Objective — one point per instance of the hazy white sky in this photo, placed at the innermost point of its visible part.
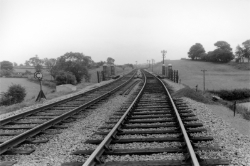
(126, 30)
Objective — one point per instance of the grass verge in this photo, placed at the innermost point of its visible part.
(206, 98)
(195, 95)
(241, 110)
(30, 102)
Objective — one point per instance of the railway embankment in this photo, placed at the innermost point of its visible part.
(4, 115)
(231, 132)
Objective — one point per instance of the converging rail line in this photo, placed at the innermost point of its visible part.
(22, 127)
(154, 130)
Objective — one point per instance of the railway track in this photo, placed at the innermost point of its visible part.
(153, 130)
(21, 128)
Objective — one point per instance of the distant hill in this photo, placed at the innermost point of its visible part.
(218, 76)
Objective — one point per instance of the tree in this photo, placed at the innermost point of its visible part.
(49, 63)
(222, 55)
(76, 63)
(6, 73)
(239, 52)
(27, 63)
(129, 65)
(36, 62)
(15, 64)
(196, 51)
(110, 60)
(246, 50)
(6, 65)
(98, 64)
(223, 45)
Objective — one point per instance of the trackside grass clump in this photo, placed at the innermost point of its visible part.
(192, 94)
(241, 110)
(236, 94)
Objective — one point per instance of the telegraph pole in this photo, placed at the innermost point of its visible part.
(152, 64)
(163, 55)
(204, 79)
(163, 72)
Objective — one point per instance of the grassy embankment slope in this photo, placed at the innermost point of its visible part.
(218, 76)
(50, 95)
(32, 89)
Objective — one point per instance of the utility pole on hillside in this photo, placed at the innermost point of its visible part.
(152, 65)
(204, 79)
(163, 55)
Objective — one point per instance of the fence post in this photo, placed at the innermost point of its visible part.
(234, 107)
(177, 76)
(98, 78)
(174, 76)
(103, 76)
(163, 70)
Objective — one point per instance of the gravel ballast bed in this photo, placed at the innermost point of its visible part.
(144, 145)
(160, 156)
(235, 146)
(59, 148)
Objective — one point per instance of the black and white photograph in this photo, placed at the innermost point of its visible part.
(124, 82)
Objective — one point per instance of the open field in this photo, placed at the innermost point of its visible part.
(218, 76)
(32, 89)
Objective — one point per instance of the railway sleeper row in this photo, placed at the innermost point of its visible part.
(152, 111)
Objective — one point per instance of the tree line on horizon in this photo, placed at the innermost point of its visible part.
(223, 53)
(71, 67)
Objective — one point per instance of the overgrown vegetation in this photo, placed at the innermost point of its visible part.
(230, 95)
(207, 98)
(15, 94)
(241, 110)
(76, 63)
(63, 77)
(192, 94)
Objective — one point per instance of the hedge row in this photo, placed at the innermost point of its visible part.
(236, 94)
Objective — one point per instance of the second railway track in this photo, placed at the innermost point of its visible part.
(154, 130)
(22, 127)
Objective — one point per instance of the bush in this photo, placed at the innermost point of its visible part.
(236, 94)
(15, 94)
(63, 77)
(192, 94)
(6, 73)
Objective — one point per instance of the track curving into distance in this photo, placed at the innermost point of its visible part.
(153, 117)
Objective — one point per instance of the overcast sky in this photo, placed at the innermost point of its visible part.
(126, 30)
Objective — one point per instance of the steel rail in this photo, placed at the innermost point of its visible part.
(187, 140)
(28, 134)
(18, 116)
(101, 147)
